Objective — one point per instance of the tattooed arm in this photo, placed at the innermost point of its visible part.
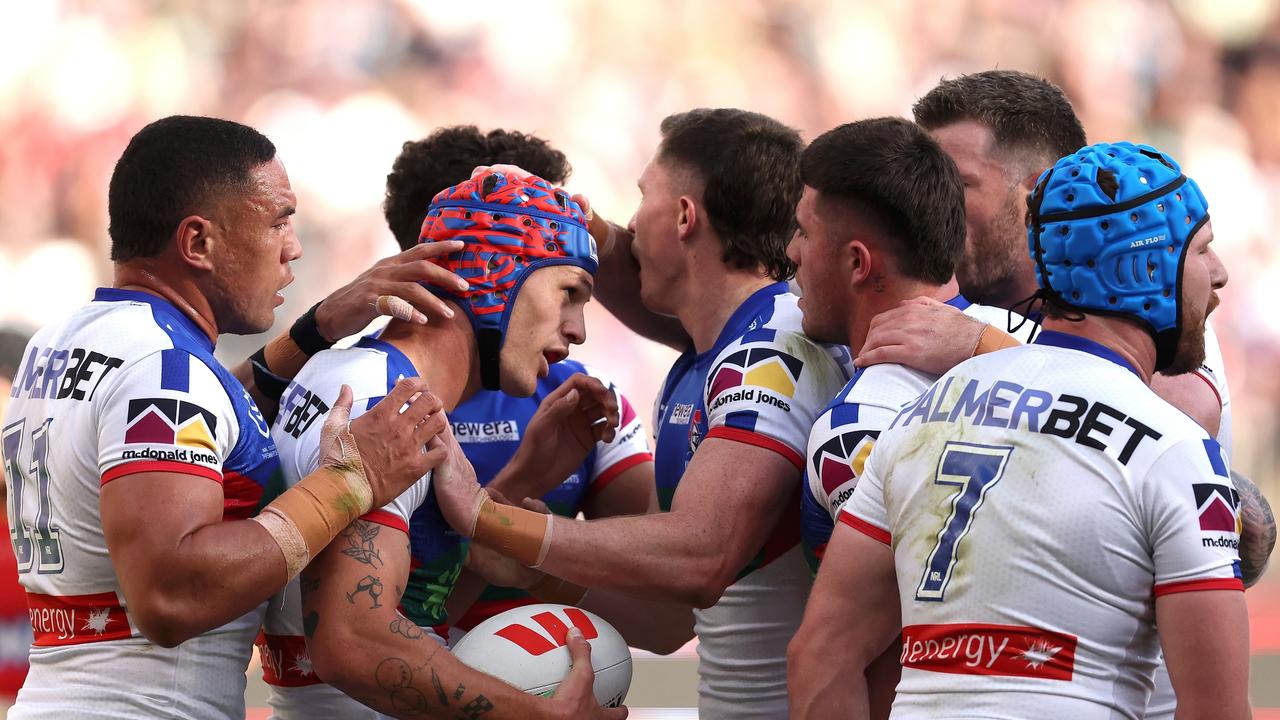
(1258, 529)
(362, 645)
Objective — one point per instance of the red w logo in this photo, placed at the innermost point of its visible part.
(535, 644)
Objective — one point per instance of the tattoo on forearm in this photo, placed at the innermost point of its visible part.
(435, 682)
(406, 627)
(309, 623)
(396, 677)
(367, 584)
(308, 585)
(1258, 529)
(360, 536)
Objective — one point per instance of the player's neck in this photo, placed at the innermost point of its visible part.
(179, 289)
(711, 298)
(1125, 338)
(873, 299)
(444, 353)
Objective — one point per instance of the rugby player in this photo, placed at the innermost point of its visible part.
(141, 476)
(881, 220)
(734, 415)
(967, 531)
(1003, 128)
(529, 259)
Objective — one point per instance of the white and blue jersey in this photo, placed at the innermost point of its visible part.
(1037, 500)
(127, 384)
(763, 383)
(844, 434)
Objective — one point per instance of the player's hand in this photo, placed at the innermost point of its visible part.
(567, 425)
(574, 697)
(923, 334)
(457, 491)
(391, 287)
(392, 444)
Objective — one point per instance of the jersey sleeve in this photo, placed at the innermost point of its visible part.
(866, 510)
(298, 430)
(839, 444)
(167, 412)
(629, 447)
(1192, 517)
(767, 393)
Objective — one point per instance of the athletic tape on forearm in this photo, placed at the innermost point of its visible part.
(991, 340)
(554, 590)
(283, 357)
(309, 515)
(520, 534)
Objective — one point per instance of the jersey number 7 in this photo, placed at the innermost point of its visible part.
(45, 536)
(974, 470)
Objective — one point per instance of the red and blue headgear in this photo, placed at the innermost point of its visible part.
(1108, 228)
(510, 226)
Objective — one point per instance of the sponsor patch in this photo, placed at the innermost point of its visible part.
(1006, 650)
(760, 367)
(841, 458)
(1217, 506)
(487, 432)
(167, 421)
(682, 414)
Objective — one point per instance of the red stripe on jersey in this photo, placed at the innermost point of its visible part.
(173, 466)
(285, 662)
(1212, 385)
(1197, 585)
(76, 619)
(240, 497)
(613, 471)
(389, 519)
(865, 527)
(978, 649)
(758, 440)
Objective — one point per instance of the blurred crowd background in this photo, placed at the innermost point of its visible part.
(340, 84)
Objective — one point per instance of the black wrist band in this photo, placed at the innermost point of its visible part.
(306, 334)
(268, 383)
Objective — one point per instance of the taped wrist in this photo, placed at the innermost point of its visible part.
(554, 590)
(520, 534)
(309, 515)
(305, 333)
(267, 382)
(991, 340)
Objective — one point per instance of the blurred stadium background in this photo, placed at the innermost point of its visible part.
(340, 84)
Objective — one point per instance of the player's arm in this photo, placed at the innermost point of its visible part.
(1205, 637)
(362, 645)
(929, 336)
(618, 287)
(730, 499)
(390, 287)
(845, 632)
(1257, 529)
(183, 570)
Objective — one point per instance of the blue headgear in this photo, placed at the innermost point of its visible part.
(1108, 229)
(509, 226)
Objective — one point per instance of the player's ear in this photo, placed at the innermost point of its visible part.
(687, 218)
(859, 259)
(195, 241)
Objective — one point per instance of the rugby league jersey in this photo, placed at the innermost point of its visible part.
(763, 383)
(1037, 500)
(127, 384)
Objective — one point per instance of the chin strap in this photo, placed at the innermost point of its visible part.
(489, 342)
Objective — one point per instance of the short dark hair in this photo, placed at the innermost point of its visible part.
(891, 170)
(171, 169)
(446, 157)
(749, 165)
(1025, 113)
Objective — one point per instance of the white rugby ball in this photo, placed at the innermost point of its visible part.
(526, 647)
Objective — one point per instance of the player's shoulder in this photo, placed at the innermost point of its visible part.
(369, 370)
(777, 338)
(887, 385)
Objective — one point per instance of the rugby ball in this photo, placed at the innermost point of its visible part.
(526, 647)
